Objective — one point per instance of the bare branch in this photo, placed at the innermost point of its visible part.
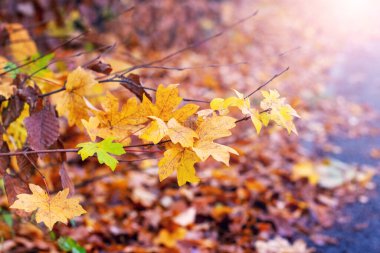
(193, 45)
(196, 67)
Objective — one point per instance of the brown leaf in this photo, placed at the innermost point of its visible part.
(29, 95)
(101, 67)
(26, 165)
(66, 181)
(14, 185)
(12, 111)
(1, 135)
(42, 128)
(4, 160)
(133, 84)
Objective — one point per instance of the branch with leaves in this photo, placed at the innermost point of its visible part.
(31, 112)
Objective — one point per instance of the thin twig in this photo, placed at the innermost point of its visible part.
(267, 82)
(248, 117)
(105, 48)
(52, 92)
(193, 45)
(196, 67)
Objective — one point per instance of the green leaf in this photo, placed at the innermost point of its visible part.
(102, 150)
(68, 244)
(78, 249)
(7, 217)
(65, 243)
(39, 65)
(52, 235)
(10, 65)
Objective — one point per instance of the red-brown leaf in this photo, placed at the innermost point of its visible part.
(14, 185)
(13, 110)
(133, 84)
(66, 181)
(42, 128)
(26, 165)
(4, 160)
(101, 67)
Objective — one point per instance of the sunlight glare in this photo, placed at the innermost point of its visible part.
(352, 16)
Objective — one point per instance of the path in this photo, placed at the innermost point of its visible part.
(361, 64)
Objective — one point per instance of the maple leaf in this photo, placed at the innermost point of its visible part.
(50, 210)
(280, 112)
(244, 104)
(71, 102)
(181, 160)
(165, 109)
(110, 122)
(210, 129)
(102, 150)
(181, 134)
(177, 133)
(167, 102)
(6, 89)
(155, 131)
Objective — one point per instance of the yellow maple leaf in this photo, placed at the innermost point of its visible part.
(181, 134)
(6, 88)
(180, 159)
(21, 45)
(71, 102)
(167, 102)
(280, 112)
(222, 106)
(210, 129)
(163, 110)
(155, 131)
(177, 133)
(112, 122)
(50, 210)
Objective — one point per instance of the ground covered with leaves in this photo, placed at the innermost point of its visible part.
(264, 191)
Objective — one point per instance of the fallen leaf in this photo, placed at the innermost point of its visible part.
(50, 210)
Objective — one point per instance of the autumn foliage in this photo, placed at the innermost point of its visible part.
(184, 133)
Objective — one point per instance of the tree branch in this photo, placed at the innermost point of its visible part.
(69, 150)
(193, 45)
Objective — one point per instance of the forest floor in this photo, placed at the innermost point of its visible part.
(281, 188)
